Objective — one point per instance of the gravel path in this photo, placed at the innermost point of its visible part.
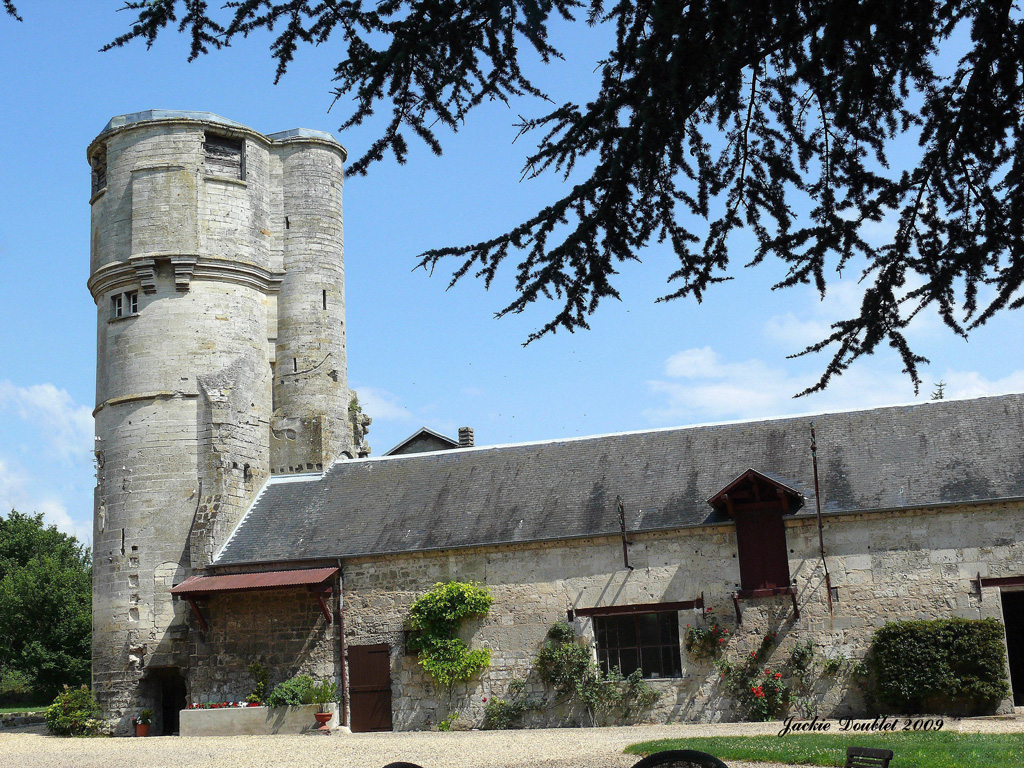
(549, 748)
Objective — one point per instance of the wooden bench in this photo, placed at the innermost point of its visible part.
(867, 757)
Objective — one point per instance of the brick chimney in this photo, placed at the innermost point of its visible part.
(465, 437)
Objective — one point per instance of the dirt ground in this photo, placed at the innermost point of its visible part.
(548, 748)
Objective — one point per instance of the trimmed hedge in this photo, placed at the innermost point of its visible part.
(944, 666)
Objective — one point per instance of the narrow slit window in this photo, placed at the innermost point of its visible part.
(325, 298)
(99, 171)
(225, 156)
(295, 365)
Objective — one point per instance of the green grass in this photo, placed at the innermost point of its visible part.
(9, 710)
(912, 750)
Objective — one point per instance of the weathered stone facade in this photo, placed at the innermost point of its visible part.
(284, 630)
(884, 566)
(216, 253)
(217, 269)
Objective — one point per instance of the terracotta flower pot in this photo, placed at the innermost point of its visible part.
(323, 718)
(142, 729)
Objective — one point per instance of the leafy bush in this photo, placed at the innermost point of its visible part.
(46, 603)
(292, 693)
(705, 641)
(74, 713)
(569, 668)
(261, 676)
(446, 724)
(434, 621)
(761, 692)
(943, 666)
(326, 692)
(502, 714)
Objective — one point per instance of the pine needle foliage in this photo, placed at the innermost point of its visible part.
(711, 116)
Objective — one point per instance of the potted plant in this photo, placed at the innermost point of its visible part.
(142, 722)
(324, 695)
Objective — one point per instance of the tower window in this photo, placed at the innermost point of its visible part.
(99, 171)
(124, 304)
(224, 156)
(325, 298)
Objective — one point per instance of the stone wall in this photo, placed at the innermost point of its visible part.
(884, 567)
(283, 629)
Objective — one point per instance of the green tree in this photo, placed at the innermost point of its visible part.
(45, 603)
(711, 116)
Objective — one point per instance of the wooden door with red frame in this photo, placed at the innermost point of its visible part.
(369, 685)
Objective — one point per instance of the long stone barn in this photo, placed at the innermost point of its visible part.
(240, 519)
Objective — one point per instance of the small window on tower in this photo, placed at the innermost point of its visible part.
(99, 171)
(131, 301)
(224, 156)
(117, 306)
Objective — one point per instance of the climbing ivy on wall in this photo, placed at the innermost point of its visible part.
(434, 621)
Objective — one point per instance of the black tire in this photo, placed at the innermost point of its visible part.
(681, 758)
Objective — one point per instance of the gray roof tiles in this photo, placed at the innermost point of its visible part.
(931, 453)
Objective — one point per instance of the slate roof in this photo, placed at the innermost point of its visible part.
(930, 453)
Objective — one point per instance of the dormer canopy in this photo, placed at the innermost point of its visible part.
(753, 491)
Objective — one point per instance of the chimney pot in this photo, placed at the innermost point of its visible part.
(465, 437)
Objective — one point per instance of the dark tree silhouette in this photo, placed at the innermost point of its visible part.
(711, 116)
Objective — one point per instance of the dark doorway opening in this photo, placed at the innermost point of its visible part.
(369, 685)
(169, 698)
(1013, 620)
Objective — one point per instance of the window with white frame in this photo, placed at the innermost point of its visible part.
(124, 304)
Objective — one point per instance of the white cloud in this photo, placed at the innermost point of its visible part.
(20, 491)
(972, 384)
(67, 428)
(381, 405)
(52, 437)
(700, 386)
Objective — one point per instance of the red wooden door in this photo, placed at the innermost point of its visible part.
(761, 548)
(369, 684)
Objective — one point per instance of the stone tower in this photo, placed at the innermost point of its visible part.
(218, 275)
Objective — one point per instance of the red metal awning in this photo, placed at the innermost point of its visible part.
(195, 586)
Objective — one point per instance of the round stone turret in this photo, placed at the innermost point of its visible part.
(216, 267)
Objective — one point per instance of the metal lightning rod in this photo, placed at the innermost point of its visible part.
(821, 537)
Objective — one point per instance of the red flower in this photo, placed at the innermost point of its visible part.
(484, 700)
(778, 675)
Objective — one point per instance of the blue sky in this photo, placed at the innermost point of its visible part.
(419, 355)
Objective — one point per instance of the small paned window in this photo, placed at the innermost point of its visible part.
(99, 171)
(124, 304)
(645, 641)
(224, 156)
